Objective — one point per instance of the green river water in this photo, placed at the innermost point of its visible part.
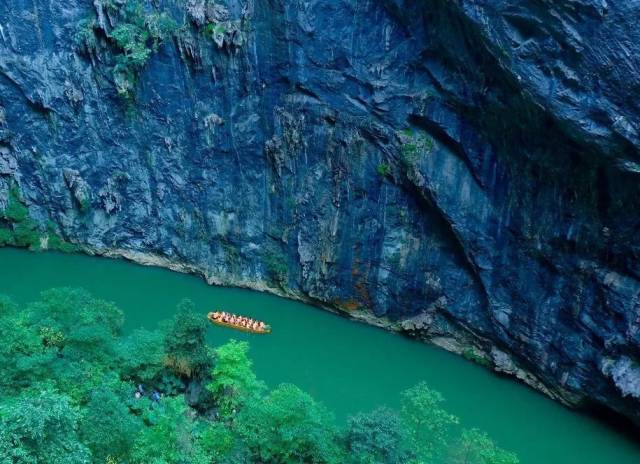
(348, 366)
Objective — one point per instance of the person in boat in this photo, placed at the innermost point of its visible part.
(261, 325)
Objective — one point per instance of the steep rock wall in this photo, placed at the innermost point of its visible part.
(466, 172)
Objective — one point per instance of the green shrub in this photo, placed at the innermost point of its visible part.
(15, 210)
(85, 37)
(214, 31)
(415, 144)
(141, 356)
(24, 231)
(475, 447)
(219, 441)
(470, 354)
(383, 169)
(89, 326)
(171, 438)
(276, 267)
(25, 234)
(161, 27)
(107, 426)
(55, 242)
(132, 40)
(40, 427)
(6, 236)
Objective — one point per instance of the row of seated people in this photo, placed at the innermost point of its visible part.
(239, 320)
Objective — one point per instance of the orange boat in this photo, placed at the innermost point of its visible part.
(216, 318)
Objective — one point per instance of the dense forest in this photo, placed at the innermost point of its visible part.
(74, 389)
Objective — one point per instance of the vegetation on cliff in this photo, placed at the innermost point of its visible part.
(75, 389)
(126, 34)
(134, 36)
(18, 229)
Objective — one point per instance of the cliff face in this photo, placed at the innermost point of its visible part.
(464, 171)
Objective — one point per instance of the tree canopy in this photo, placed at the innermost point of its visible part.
(234, 382)
(74, 390)
(380, 436)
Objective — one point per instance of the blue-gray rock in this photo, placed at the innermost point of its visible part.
(465, 171)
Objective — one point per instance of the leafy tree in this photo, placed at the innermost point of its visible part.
(141, 355)
(171, 439)
(107, 425)
(86, 326)
(20, 342)
(288, 426)
(429, 424)
(378, 437)
(234, 382)
(219, 443)
(476, 447)
(185, 345)
(40, 427)
(67, 338)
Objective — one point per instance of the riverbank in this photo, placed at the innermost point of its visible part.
(462, 342)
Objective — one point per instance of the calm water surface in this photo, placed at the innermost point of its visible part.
(348, 366)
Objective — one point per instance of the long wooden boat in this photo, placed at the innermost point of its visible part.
(217, 321)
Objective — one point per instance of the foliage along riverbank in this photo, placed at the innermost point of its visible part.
(74, 390)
